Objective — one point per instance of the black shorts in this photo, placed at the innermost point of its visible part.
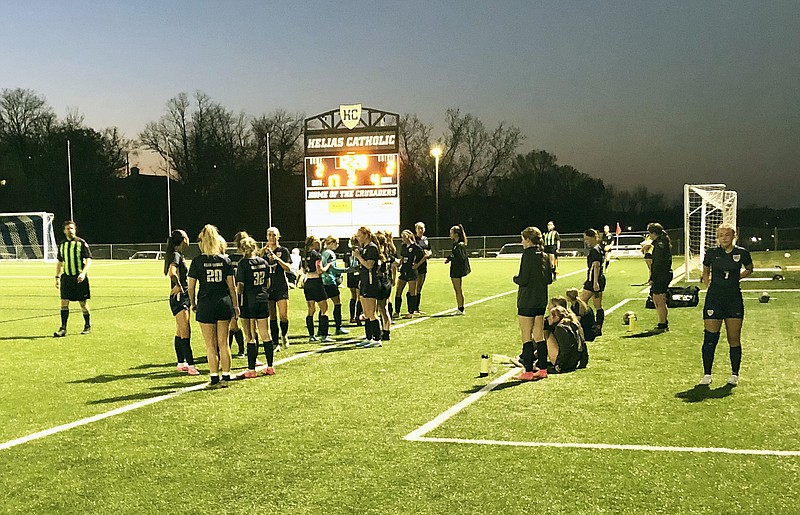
(423, 268)
(314, 289)
(588, 286)
(276, 295)
(409, 275)
(331, 290)
(179, 304)
(720, 307)
(253, 307)
(71, 289)
(661, 284)
(384, 288)
(352, 280)
(551, 249)
(371, 291)
(211, 311)
(530, 312)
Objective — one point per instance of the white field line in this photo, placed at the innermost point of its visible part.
(651, 448)
(147, 402)
(418, 435)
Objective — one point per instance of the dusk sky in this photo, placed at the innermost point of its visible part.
(643, 92)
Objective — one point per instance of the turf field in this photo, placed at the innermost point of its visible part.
(101, 423)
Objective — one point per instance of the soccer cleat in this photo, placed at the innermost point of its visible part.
(458, 313)
(240, 355)
(192, 371)
(276, 348)
(524, 376)
(363, 343)
(269, 371)
(733, 380)
(659, 329)
(217, 385)
(182, 367)
(540, 374)
(285, 341)
(87, 330)
(373, 344)
(327, 339)
(420, 313)
(247, 374)
(313, 339)
(407, 316)
(706, 380)
(342, 331)
(60, 333)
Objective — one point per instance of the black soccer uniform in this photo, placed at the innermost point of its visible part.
(551, 239)
(724, 296)
(368, 278)
(213, 298)
(459, 261)
(181, 303)
(595, 255)
(352, 275)
(313, 287)
(533, 277)
(384, 279)
(661, 270)
(425, 245)
(278, 283)
(253, 273)
(71, 254)
(409, 255)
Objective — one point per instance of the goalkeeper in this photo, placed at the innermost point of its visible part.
(74, 260)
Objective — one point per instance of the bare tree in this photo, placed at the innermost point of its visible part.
(285, 140)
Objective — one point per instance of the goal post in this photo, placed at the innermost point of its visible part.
(705, 207)
(27, 236)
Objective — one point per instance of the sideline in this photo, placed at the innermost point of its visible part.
(130, 407)
(418, 435)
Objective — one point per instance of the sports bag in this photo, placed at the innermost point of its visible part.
(678, 297)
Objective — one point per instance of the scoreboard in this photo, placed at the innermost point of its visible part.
(351, 172)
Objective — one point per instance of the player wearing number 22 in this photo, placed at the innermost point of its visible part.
(722, 271)
(216, 302)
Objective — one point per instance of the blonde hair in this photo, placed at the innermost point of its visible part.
(274, 230)
(209, 239)
(565, 313)
(726, 226)
(572, 297)
(330, 239)
(223, 245)
(248, 246)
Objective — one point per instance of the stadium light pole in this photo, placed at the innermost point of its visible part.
(69, 172)
(269, 184)
(436, 152)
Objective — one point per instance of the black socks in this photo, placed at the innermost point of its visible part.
(337, 316)
(252, 354)
(64, 317)
(310, 325)
(323, 325)
(179, 349)
(187, 351)
(736, 359)
(527, 356)
(541, 354)
(86, 319)
(710, 341)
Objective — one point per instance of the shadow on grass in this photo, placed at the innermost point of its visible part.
(108, 378)
(36, 337)
(444, 315)
(702, 392)
(141, 396)
(645, 334)
(146, 366)
(338, 349)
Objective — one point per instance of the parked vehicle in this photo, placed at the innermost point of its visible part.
(148, 254)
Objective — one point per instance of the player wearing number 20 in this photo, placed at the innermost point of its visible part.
(252, 283)
(216, 302)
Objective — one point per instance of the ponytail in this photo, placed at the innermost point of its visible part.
(174, 241)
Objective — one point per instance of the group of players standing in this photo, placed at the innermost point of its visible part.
(256, 289)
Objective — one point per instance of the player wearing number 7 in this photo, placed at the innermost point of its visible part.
(215, 304)
(252, 284)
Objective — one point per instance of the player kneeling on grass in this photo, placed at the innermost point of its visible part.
(722, 271)
(533, 277)
(216, 303)
(175, 268)
(566, 345)
(252, 285)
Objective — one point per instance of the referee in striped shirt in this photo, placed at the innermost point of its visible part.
(74, 260)
(552, 245)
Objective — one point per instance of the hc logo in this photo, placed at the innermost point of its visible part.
(350, 115)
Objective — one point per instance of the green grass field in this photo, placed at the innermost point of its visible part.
(327, 433)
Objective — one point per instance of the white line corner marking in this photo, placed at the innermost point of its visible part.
(418, 435)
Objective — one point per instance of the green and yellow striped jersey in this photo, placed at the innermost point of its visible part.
(72, 253)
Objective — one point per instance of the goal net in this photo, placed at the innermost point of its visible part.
(27, 236)
(705, 207)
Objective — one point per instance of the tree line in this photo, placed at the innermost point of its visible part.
(218, 159)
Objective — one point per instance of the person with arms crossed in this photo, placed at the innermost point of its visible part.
(422, 270)
(660, 273)
(74, 260)
(595, 282)
(532, 279)
(459, 264)
(722, 271)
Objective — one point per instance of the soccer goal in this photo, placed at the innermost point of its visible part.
(705, 207)
(27, 236)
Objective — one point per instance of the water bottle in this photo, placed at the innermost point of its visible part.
(484, 365)
(632, 323)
